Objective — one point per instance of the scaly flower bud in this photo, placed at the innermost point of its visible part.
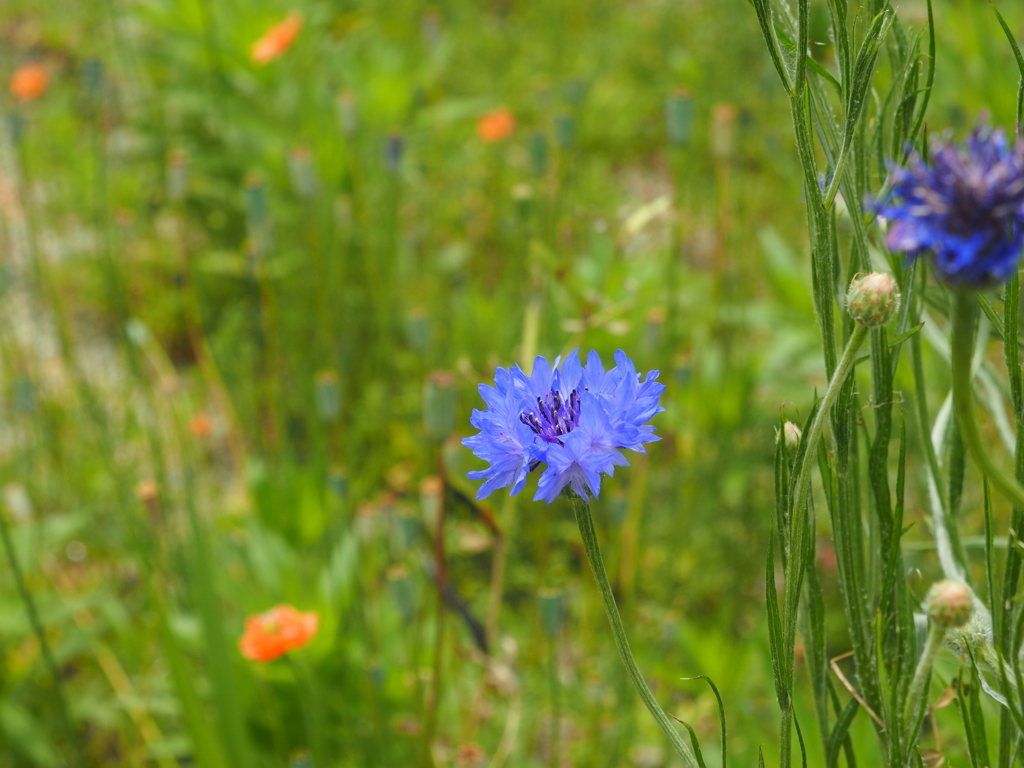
(974, 637)
(949, 604)
(872, 299)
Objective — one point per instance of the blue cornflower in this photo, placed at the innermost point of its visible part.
(575, 419)
(966, 207)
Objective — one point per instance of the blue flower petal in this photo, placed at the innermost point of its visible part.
(575, 419)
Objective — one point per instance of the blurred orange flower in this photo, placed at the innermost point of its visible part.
(272, 634)
(496, 125)
(277, 39)
(29, 81)
(201, 425)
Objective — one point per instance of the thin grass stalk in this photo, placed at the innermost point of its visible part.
(441, 579)
(556, 708)
(585, 521)
(913, 711)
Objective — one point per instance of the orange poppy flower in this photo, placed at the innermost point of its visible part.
(29, 81)
(201, 425)
(277, 39)
(272, 634)
(496, 125)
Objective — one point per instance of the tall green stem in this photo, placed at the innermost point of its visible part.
(586, 524)
(799, 529)
(919, 684)
(965, 311)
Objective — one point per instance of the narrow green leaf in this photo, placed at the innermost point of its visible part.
(800, 738)
(893, 555)
(721, 712)
(775, 623)
(693, 740)
(977, 743)
(851, 759)
(992, 315)
(1020, 67)
(764, 18)
(856, 94)
(824, 73)
(929, 79)
(1013, 41)
(956, 468)
(990, 555)
(839, 733)
(803, 41)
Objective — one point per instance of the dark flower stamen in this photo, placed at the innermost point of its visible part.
(557, 417)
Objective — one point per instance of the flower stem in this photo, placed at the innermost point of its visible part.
(965, 310)
(799, 530)
(586, 524)
(919, 684)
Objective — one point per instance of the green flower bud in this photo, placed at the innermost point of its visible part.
(949, 604)
(872, 299)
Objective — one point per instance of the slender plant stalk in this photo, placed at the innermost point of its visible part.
(919, 683)
(441, 577)
(556, 709)
(586, 525)
(799, 526)
(965, 310)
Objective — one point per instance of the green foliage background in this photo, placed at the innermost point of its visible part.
(184, 233)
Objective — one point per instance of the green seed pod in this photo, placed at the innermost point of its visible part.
(177, 175)
(439, 405)
(679, 118)
(328, 396)
(565, 131)
(538, 146)
(403, 591)
(552, 610)
(872, 299)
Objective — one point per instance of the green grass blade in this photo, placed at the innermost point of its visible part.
(721, 712)
(929, 79)
(775, 624)
(1020, 67)
(764, 18)
(840, 732)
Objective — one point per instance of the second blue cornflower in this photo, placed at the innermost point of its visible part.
(966, 207)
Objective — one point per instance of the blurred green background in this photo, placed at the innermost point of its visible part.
(244, 309)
